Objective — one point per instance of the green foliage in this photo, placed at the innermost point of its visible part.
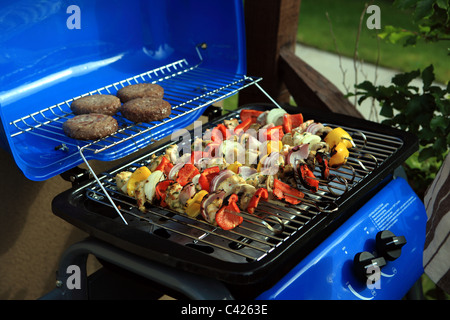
(422, 111)
(432, 18)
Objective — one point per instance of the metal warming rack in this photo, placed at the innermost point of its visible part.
(188, 88)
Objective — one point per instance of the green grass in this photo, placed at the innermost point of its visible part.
(314, 30)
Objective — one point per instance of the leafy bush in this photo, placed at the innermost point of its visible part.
(422, 111)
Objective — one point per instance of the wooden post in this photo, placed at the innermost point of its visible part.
(271, 32)
(270, 25)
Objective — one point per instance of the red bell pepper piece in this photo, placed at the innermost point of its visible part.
(220, 133)
(186, 173)
(226, 217)
(160, 191)
(206, 177)
(271, 133)
(261, 193)
(249, 114)
(284, 191)
(243, 126)
(323, 163)
(195, 156)
(211, 149)
(165, 165)
(291, 121)
(308, 179)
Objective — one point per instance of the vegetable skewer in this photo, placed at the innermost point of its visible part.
(212, 183)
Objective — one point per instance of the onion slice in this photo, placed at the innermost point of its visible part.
(173, 173)
(210, 205)
(186, 193)
(218, 179)
(246, 171)
(300, 152)
(275, 115)
(150, 184)
(314, 127)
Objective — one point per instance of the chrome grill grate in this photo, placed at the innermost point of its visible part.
(274, 222)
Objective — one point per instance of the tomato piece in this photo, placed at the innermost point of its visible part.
(211, 170)
(211, 150)
(249, 114)
(324, 166)
(195, 156)
(227, 220)
(232, 203)
(203, 182)
(291, 200)
(186, 173)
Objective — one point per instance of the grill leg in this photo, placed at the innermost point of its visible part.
(75, 257)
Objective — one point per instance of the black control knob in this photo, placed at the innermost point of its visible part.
(366, 264)
(389, 245)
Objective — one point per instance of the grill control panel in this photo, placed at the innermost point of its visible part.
(375, 254)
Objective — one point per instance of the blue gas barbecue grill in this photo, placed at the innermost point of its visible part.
(369, 219)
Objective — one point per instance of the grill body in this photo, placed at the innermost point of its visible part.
(327, 272)
(252, 261)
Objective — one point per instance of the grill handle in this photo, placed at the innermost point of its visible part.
(190, 285)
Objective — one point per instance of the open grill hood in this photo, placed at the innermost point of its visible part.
(194, 49)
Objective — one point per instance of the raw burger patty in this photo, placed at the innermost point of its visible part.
(97, 103)
(146, 109)
(140, 90)
(90, 126)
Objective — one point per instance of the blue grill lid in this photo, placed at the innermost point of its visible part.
(54, 51)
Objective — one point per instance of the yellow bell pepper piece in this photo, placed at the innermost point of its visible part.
(338, 135)
(340, 155)
(259, 166)
(234, 167)
(140, 174)
(271, 145)
(194, 203)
